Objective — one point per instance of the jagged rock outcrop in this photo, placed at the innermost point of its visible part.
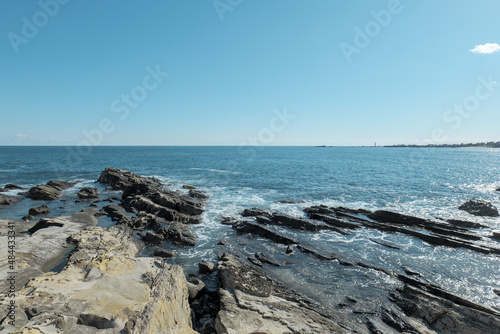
(139, 203)
(479, 207)
(451, 234)
(252, 302)
(166, 213)
(444, 311)
(120, 179)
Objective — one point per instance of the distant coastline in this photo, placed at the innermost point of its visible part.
(463, 145)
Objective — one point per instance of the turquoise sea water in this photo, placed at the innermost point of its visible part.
(423, 182)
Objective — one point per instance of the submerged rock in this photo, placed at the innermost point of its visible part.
(198, 194)
(8, 200)
(479, 207)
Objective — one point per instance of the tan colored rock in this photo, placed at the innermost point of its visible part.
(103, 291)
(33, 252)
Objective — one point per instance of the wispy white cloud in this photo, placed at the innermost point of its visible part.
(20, 135)
(487, 48)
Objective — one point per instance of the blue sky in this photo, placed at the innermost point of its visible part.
(234, 65)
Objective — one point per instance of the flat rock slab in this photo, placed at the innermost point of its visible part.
(32, 251)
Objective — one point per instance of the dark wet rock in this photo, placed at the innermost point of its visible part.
(479, 207)
(28, 218)
(249, 227)
(298, 223)
(88, 193)
(385, 244)
(44, 192)
(466, 224)
(498, 189)
(228, 221)
(206, 267)
(251, 301)
(320, 209)
(178, 233)
(44, 223)
(120, 179)
(333, 221)
(11, 186)
(188, 187)
(438, 233)
(272, 218)
(9, 200)
(222, 242)
(196, 288)
(254, 212)
(93, 205)
(252, 259)
(408, 271)
(443, 311)
(152, 238)
(164, 253)
(182, 204)
(290, 201)
(60, 185)
(41, 210)
(111, 199)
(495, 235)
(199, 194)
(497, 292)
(307, 249)
(397, 218)
(290, 249)
(140, 203)
(116, 214)
(2, 190)
(265, 259)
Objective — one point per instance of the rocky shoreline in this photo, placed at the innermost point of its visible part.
(103, 284)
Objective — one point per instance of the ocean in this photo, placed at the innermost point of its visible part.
(422, 182)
